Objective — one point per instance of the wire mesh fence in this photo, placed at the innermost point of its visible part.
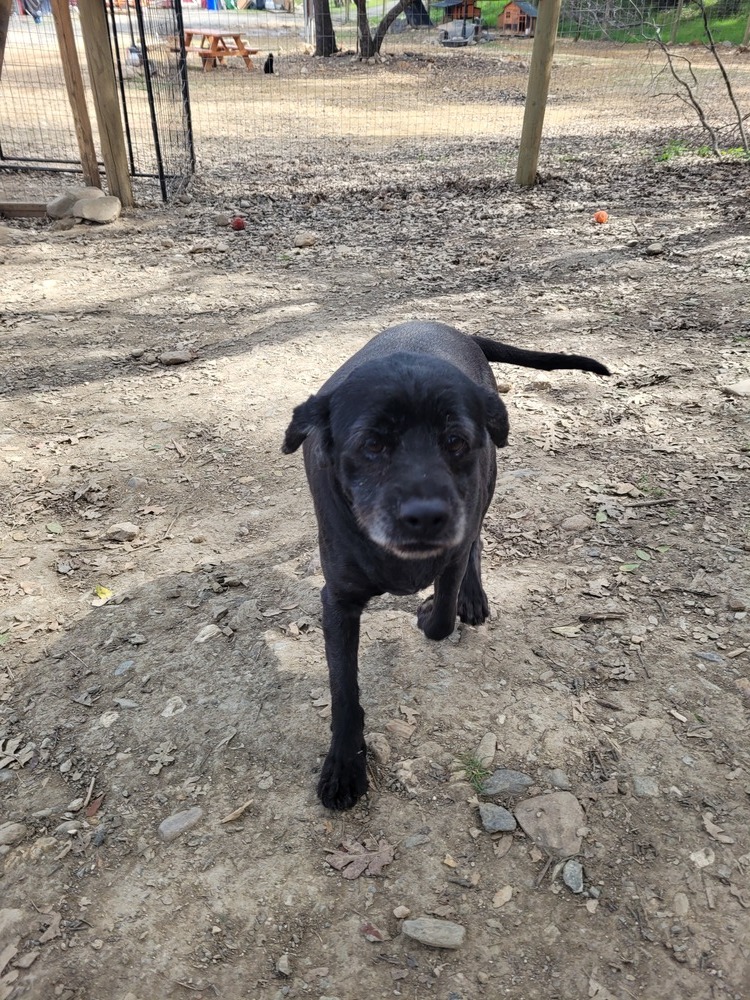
(447, 74)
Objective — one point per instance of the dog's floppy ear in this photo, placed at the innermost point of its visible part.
(307, 417)
(496, 419)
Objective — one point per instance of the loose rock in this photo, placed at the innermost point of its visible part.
(654, 249)
(305, 239)
(486, 750)
(177, 824)
(11, 833)
(558, 779)
(62, 206)
(573, 875)
(578, 522)
(645, 787)
(123, 532)
(495, 819)
(435, 933)
(102, 210)
(506, 781)
(176, 357)
(553, 822)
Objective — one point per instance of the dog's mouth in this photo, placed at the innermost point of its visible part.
(387, 536)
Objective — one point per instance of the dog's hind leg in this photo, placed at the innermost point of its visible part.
(343, 779)
(473, 606)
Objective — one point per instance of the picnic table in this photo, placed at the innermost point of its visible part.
(214, 45)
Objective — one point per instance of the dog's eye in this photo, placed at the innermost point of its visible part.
(373, 445)
(456, 445)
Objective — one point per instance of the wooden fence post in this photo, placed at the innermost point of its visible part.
(746, 37)
(538, 88)
(76, 94)
(5, 9)
(93, 21)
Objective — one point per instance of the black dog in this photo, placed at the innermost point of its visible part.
(268, 64)
(400, 457)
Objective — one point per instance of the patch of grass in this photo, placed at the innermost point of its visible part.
(476, 772)
(673, 149)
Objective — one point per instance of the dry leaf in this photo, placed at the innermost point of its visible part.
(569, 631)
(399, 728)
(355, 859)
(715, 831)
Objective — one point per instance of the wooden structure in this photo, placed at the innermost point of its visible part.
(214, 45)
(540, 72)
(458, 10)
(518, 18)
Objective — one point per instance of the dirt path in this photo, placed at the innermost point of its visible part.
(201, 682)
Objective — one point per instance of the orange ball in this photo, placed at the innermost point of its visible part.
(601, 217)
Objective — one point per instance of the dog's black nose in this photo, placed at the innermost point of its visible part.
(424, 516)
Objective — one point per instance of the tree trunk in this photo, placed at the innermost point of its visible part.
(325, 37)
(369, 44)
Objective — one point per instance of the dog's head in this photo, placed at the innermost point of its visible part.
(409, 438)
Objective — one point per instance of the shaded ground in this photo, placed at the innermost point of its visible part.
(123, 713)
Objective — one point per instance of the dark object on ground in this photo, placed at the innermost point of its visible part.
(399, 451)
(268, 64)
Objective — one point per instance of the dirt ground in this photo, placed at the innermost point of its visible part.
(184, 668)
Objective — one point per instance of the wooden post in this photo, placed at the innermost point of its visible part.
(76, 94)
(746, 38)
(93, 21)
(5, 9)
(676, 22)
(536, 93)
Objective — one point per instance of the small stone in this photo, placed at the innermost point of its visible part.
(743, 686)
(137, 483)
(123, 532)
(553, 822)
(177, 824)
(379, 748)
(401, 912)
(283, 966)
(645, 787)
(434, 932)
(578, 522)
(680, 904)
(222, 220)
(573, 875)
(11, 833)
(69, 828)
(495, 819)
(485, 752)
(558, 779)
(654, 249)
(506, 781)
(741, 388)
(176, 357)
(100, 210)
(305, 239)
(708, 656)
(737, 603)
(97, 944)
(124, 667)
(415, 840)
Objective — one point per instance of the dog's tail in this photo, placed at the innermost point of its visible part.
(507, 355)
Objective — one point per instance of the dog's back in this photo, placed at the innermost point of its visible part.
(469, 354)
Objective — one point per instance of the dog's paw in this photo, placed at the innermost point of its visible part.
(473, 606)
(434, 627)
(343, 781)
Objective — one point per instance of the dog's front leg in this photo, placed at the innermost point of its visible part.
(437, 615)
(343, 779)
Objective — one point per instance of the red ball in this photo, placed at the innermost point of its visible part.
(238, 223)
